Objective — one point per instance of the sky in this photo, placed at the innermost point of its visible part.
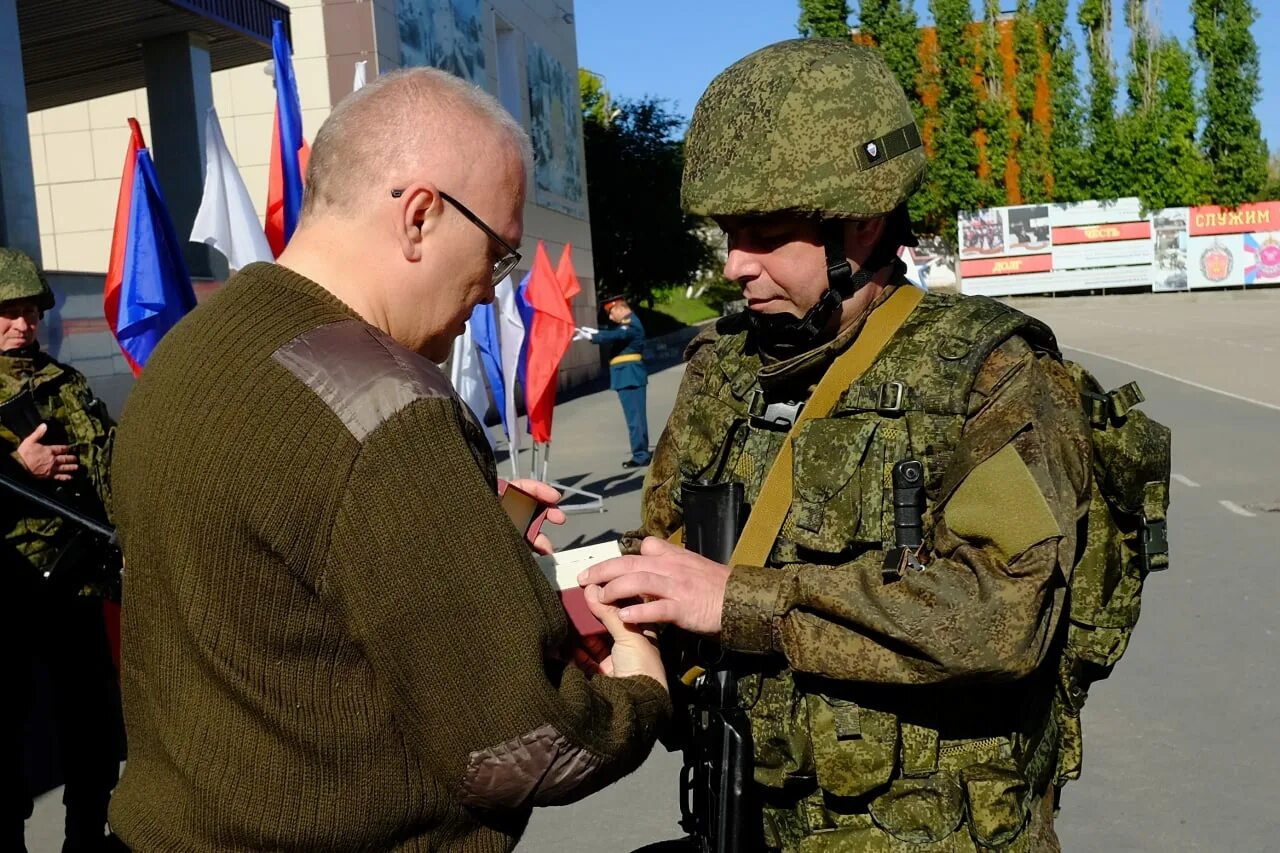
(672, 50)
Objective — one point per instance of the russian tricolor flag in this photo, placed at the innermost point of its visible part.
(148, 288)
(289, 150)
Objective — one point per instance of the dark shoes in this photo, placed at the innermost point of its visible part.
(631, 463)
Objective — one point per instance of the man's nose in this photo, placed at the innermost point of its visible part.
(740, 265)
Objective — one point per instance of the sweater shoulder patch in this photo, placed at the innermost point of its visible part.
(361, 374)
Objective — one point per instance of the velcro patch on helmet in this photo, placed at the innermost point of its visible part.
(893, 144)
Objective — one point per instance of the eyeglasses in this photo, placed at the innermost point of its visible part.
(503, 265)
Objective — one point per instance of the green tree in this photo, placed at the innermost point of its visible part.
(596, 106)
(993, 110)
(1066, 135)
(953, 182)
(1273, 177)
(1162, 164)
(824, 19)
(1104, 148)
(894, 28)
(1033, 151)
(641, 240)
(1232, 136)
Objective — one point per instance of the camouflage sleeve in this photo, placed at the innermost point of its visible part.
(87, 420)
(660, 516)
(1004, 536)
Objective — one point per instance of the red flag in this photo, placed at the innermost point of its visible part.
(120, 236)
(566, 276)
(549, 337)
(275, 225)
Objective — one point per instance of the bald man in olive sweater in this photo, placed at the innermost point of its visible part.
(334, 639)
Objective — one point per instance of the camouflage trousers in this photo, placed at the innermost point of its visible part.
(810, 827)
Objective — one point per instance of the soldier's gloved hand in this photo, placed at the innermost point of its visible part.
(677, 586)
(46, 461)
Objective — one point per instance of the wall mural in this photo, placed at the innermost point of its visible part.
(555, 128)
(444, 34)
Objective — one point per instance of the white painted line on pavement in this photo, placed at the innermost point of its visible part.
(1186, 481)
(1176, 378)
(1237, 509)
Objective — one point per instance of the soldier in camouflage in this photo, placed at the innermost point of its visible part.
(889, 711)
(56, 435)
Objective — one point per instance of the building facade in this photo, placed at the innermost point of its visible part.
(524, 52)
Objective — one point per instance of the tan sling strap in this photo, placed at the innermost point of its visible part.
(771, 506)
(775, 496)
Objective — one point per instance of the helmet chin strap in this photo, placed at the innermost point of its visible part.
(800, 333)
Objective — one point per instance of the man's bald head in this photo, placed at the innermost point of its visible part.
(407, 125)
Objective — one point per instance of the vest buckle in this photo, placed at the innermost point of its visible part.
(891, 397)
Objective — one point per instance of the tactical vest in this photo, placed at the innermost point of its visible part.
(907, 766)
(60, 397)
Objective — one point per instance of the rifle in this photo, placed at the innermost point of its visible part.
(103, 562)
(716, 806)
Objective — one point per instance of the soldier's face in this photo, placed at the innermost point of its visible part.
(779, 261)
(19, 319)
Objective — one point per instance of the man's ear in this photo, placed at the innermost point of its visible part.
(419, 214)
(862, 236)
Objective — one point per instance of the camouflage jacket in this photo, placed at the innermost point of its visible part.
(62, 398)
(890, 691)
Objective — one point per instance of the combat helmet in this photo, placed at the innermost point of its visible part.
(812, 127)
(19, 279)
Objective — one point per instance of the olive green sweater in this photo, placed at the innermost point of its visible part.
(333, 637)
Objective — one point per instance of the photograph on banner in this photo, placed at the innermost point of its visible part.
(1234, 248)
(443, 34)
(982, 233)
(1029, 229)
(555, 128)
(1169, 270)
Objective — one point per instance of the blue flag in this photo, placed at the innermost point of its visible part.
(153, 290)
(484, 329)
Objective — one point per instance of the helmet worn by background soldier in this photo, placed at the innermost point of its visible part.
(19, 279)
(817, 127)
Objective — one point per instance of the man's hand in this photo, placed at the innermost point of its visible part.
(677, 586)
(46, 461)
(584, 333)
(549, 496)
(633, 653)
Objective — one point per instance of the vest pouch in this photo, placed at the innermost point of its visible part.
(779, 728)
(998, 805)
(826, 508)
(703, 430)
(855, 749)
(921, 811)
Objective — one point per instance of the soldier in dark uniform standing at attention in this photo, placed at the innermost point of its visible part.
(624, 347)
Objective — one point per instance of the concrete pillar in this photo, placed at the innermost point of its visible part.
(19, 221)
(179, 94)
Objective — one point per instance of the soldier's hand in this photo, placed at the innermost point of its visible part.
(674, 585)
(633, 652)
(46, 461)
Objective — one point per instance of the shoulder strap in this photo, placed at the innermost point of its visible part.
(771, 506)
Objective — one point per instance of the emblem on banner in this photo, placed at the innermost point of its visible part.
(1216, 262)
(1265, 256)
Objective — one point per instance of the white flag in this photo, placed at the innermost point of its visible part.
(358, 83)
(467, 377)
(511, 334)
(226, 219)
